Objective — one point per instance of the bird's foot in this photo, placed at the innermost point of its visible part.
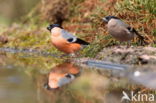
(72, 55)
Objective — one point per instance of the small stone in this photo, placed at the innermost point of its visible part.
(3, 39)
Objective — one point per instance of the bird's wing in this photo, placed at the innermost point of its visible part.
(80, 41)
(142, 38)
(121, 23)
(68, 36)
(134, 31)
(72, 39)
(128, 28)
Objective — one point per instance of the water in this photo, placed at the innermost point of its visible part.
(16, 87)
(32, 78)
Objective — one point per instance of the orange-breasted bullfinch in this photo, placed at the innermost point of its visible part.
(62, 74)
(120, 30)
(65, 41)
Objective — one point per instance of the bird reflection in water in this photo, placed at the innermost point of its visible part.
(62, 74)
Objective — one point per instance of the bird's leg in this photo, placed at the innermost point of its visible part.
(68, 55)
(72, 55)
(64, 55)
(142, 42)
(120, 43)
(128, 44)
(76, 54)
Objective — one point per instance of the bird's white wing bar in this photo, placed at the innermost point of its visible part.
(68, 36)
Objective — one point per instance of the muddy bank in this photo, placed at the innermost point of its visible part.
(128, 55)
(133, 55)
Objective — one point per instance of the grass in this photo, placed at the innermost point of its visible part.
(141, 15)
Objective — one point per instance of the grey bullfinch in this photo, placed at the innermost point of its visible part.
(120, 30)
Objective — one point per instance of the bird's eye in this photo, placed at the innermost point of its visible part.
(107, 18)
(68, 75)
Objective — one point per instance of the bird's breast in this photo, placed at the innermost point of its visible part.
(64, 46)
(120, 33)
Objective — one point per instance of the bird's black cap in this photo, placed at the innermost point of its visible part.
(51, 26)
(107, 18)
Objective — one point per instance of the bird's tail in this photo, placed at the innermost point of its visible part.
(143, 42)
(82, 42)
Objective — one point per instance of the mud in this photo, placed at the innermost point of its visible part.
(129, 55)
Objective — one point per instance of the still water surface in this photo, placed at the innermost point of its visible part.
(36, 79)
(16, 86)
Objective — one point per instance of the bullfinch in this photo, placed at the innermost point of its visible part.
(62, 74)
(65, 41)
(120, 30)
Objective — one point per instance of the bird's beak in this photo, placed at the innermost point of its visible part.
(105, 20)
(46, 86)
(49, 28)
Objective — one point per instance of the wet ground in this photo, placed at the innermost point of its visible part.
(26, 77)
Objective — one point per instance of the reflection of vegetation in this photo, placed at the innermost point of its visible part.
(90, 87)
(29, 63)
(93, 86)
